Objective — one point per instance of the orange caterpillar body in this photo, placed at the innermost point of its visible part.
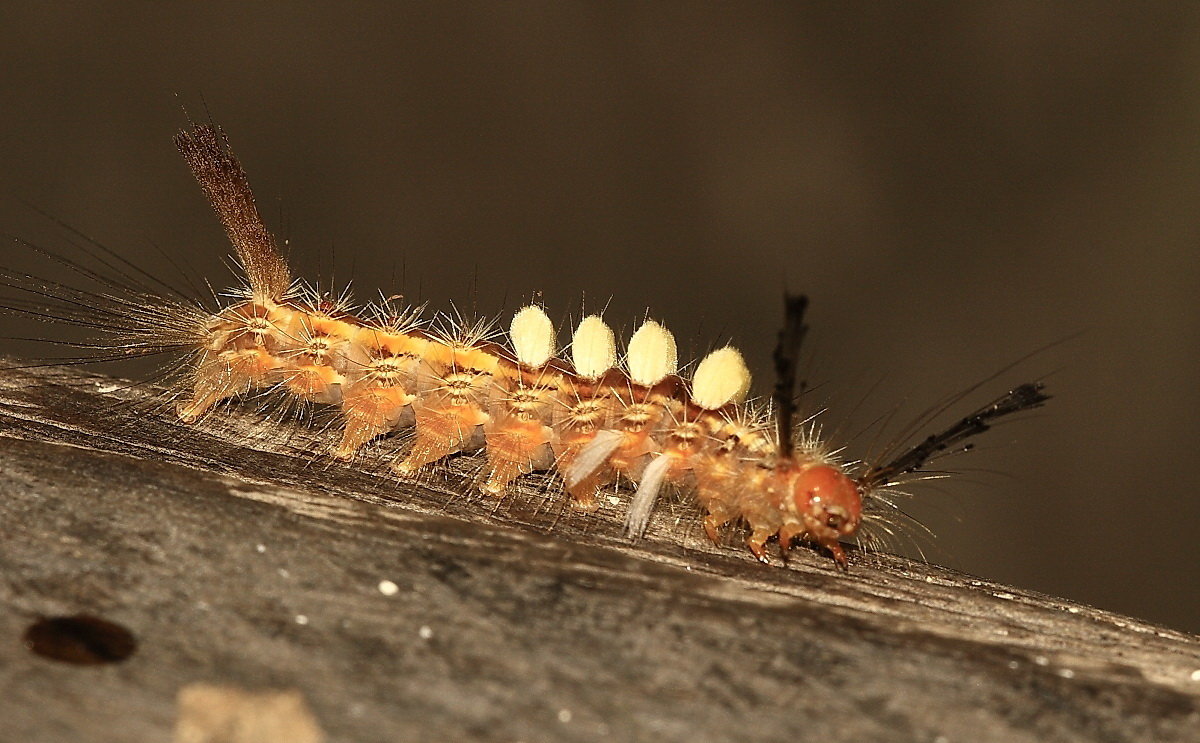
(595, 418)
(531, 411)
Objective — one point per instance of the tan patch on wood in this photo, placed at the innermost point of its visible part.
(228, 714)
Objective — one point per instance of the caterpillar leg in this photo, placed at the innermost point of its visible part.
(583, 493)
(839, 554)
(370, 413)
(757, 542)
(787, 533)
(440, 433)
(225, 375)
(713, 521)
(515, 448)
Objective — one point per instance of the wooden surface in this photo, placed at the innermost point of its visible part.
(244, 561)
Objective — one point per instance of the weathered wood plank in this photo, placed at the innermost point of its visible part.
(242, 561)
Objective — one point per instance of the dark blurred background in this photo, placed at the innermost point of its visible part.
(955, 185)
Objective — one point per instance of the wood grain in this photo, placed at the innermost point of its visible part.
(245, 560)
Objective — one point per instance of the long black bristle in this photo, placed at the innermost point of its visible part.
(1024, 397)
(786, 356)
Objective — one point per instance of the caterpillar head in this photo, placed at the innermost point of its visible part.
(829, 506)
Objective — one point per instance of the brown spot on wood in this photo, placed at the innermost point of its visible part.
(81, 639)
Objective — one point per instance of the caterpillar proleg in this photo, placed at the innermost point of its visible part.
(589, 415)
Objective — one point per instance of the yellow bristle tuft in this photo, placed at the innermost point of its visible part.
(593, 348)
(721, 378)
(532, 336)
(652, 354)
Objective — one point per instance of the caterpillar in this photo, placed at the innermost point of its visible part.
(591, 416)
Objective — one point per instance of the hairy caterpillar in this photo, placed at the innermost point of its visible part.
(593, 416)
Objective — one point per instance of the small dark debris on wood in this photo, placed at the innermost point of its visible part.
(416, 612)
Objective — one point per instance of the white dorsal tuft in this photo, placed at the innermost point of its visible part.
(721, 378)
(651, 355)
(532, 336)
(593, 348)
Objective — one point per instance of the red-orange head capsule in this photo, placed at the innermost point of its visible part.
(829, 505)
